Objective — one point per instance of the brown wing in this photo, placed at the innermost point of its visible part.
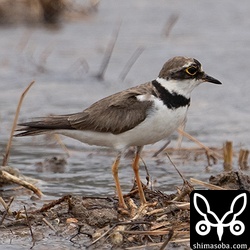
(116, 113)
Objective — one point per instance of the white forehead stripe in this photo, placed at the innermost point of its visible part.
(187, 64)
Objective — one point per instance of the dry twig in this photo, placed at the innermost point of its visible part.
(14, 179)
(29, 225)
(52, 204)
(165, 243)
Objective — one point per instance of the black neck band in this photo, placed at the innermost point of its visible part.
(171, 100)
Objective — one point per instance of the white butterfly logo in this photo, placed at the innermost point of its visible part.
(203, 227)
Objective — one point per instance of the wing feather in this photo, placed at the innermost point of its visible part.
(115, 114)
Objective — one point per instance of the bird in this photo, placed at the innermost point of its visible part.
(137, 116)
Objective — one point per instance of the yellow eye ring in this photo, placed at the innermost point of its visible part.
(191, 70)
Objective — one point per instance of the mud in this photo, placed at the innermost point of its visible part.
(98, 222)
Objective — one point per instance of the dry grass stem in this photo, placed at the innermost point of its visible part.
(170, 208)
(60, 142)
(180, 136)
(109, 52)
(155, 232)
(6, 210)
(170, 24)
(208, 150)
(103, 235)
(5, 174)
(49, 224)
(160, 225)
(228, 155)
(7, 151)
(180, 174)
(183, 205)
(147, 246)
(131, 62)
(205, 184)
(243, 158)
(161, 149)
(5, 206)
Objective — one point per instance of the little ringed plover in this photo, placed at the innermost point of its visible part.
(137, 116)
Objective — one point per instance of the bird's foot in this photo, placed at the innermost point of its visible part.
(130, 209)
(123, 211)
(137, 212)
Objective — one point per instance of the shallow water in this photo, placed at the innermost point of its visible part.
(65, 61)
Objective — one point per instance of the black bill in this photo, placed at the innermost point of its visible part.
(208, 78)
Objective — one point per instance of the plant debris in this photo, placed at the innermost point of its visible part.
(94, 222)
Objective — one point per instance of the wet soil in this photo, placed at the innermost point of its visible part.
(98, 222)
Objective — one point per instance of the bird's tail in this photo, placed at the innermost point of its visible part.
(44, 125)
(30, 131)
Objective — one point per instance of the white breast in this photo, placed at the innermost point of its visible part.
(159, 124)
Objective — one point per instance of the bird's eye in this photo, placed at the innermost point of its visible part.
(191, 70)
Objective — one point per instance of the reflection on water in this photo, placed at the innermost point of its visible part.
(64, 64)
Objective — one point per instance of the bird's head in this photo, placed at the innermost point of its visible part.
(182, 74)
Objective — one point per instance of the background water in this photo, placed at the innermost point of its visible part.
(64, 63)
